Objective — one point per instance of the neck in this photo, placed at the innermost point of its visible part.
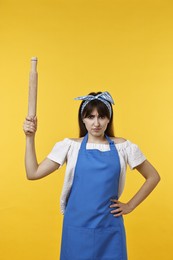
(97, 139)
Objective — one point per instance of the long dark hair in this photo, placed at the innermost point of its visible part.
(102, 111)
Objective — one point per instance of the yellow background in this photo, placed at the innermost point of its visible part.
(122, 46)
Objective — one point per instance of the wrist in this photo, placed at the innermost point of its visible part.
(30, 138)
(131, 206)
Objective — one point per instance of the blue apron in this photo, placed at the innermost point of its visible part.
(90, 231)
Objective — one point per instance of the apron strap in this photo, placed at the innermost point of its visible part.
(111, 143)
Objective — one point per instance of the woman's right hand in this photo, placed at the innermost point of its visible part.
(30, 126)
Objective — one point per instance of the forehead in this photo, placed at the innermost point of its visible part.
(94, 112)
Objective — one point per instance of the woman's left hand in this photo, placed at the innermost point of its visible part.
(121, 208)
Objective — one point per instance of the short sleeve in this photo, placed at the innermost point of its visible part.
(59, 151)
(134, 155)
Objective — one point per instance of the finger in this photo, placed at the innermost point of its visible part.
(29, 128)
(114, 205)
(117, 215)
(32, 127)
(30, 119)
(115, 201)
(27, 132)
(116, 210)
(30, 123)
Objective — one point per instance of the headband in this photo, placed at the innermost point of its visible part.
(105, 97)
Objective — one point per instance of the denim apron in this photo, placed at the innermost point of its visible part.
(90, 231)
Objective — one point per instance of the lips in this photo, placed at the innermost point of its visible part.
(96, 129)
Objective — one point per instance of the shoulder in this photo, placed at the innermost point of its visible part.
(79, 140)
(118, 140)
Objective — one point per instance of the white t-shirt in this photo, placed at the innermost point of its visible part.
(66, 151)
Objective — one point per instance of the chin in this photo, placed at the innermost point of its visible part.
(94, 133)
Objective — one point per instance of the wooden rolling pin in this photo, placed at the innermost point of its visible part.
(33, 83)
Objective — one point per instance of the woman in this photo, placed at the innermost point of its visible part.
(93, 225)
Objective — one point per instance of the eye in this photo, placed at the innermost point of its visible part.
(90, 116)
(102, 117)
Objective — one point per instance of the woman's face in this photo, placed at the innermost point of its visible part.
(96, 124)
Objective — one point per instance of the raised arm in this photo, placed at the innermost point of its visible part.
(34, 170)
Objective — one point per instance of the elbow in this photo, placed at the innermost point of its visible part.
(30, 177)
(154, 178)
(157, 178)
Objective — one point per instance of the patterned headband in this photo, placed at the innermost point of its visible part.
(105, 97)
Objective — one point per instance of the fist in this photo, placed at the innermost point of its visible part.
(30, 125)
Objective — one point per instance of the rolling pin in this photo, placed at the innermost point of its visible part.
(33, 84)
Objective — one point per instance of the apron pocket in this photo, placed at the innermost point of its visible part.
(108, 243)
(80, 243)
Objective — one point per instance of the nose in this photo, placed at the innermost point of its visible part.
(96, 122)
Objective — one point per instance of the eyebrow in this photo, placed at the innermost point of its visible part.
(94, 115)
